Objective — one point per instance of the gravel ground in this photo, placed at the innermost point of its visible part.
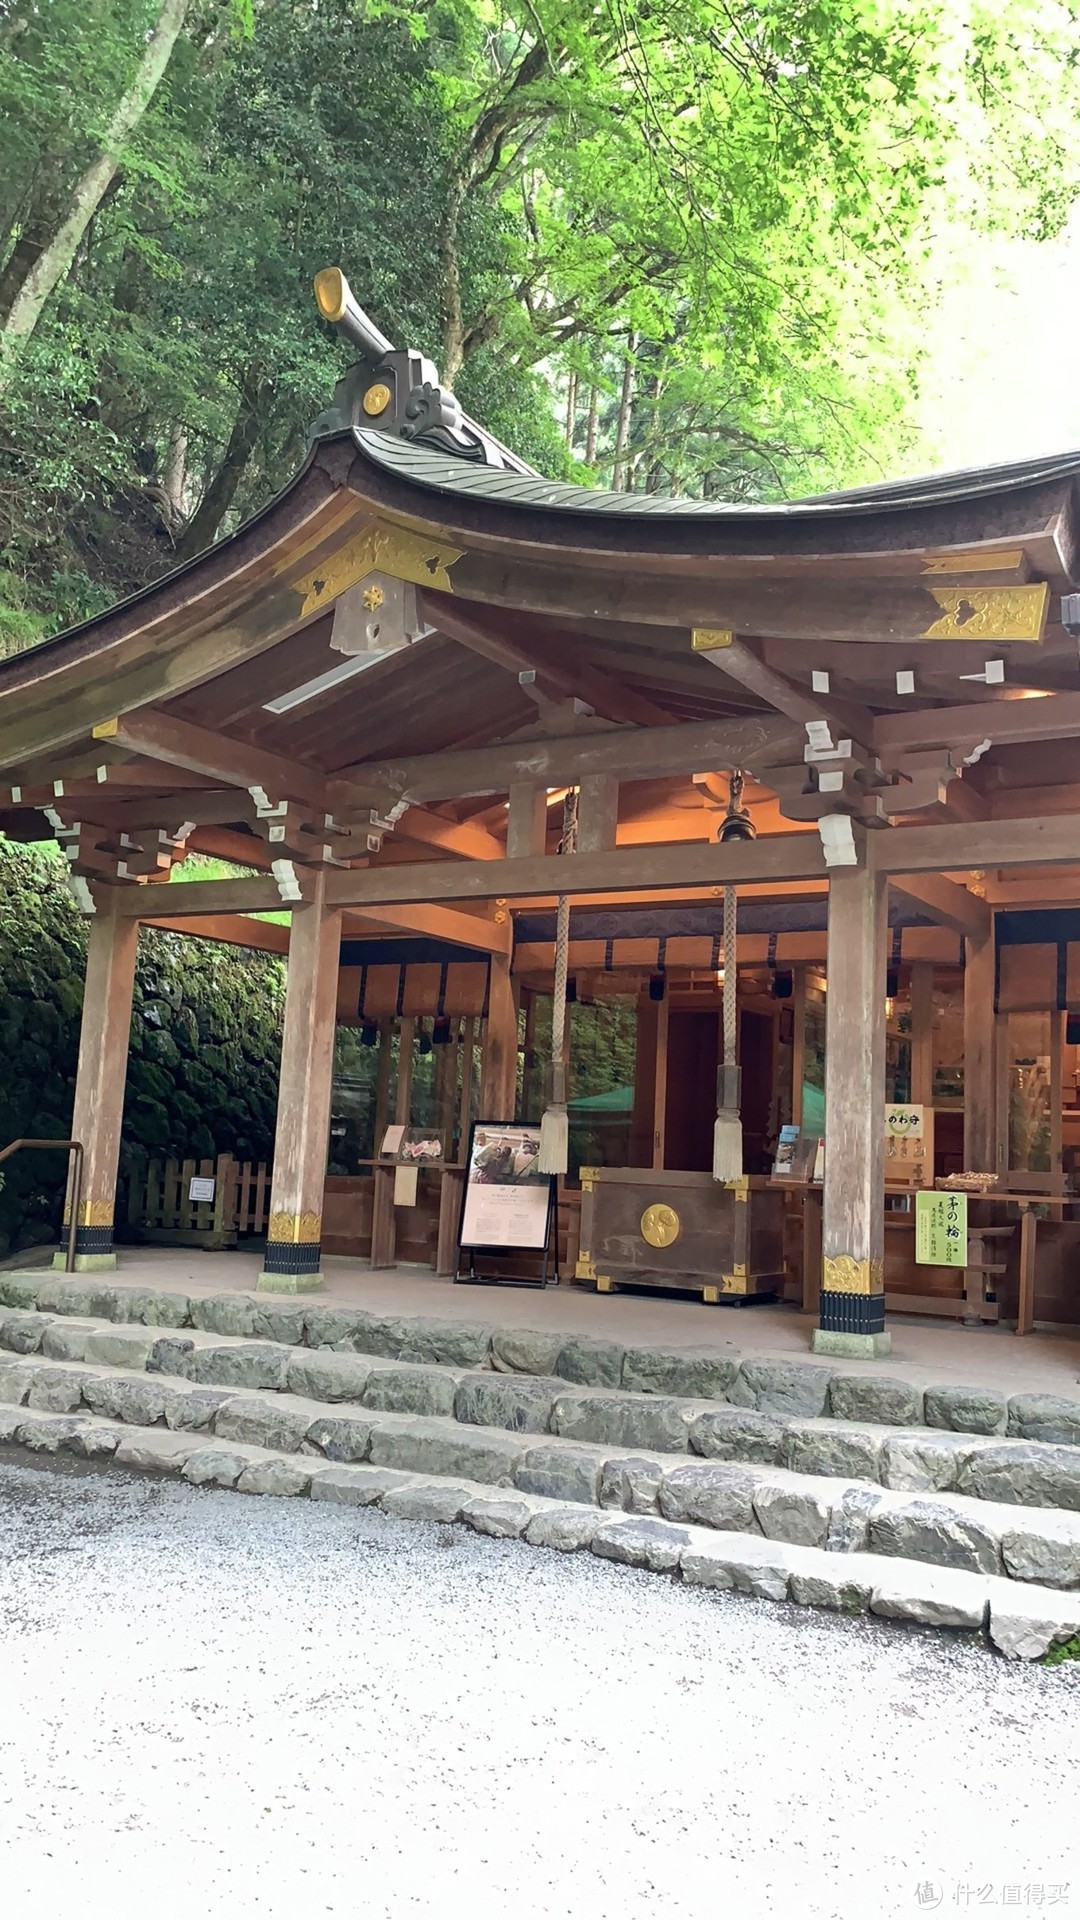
(220, 1706)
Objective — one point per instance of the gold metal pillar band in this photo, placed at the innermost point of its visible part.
(843, 1273)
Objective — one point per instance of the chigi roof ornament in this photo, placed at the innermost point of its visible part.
(398, 392)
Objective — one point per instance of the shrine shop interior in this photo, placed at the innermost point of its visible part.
(736, 849)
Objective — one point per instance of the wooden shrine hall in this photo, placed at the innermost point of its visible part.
(426, 694)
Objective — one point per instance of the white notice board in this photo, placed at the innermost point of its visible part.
(507, 1202)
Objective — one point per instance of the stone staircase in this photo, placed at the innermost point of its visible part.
(793, 1480)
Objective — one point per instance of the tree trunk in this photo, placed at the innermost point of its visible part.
(202, 528)
(56, 255)
(35, 222)
(453, 348)
(592, 427)
(626, 409)
(571, 411)
(174, 478)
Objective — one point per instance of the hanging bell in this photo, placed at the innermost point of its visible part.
(736, 823)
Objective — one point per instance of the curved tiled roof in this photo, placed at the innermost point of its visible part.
(439, 473)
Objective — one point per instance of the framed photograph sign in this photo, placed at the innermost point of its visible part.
(507, 1203)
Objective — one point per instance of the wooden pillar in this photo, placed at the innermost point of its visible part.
(293, 1250)
(383, 1070)
(922, 1033)
(853, 1236)
(798, 1047)
(980, 1073)
(445, 1092)
(660, 1082)
(498, 1079)
(403, 1090)
(598, 812)
(526, 821)
(465, 1096)
(99, 1083)
(1057, 1040)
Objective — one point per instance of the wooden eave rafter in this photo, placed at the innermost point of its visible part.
(539, 664)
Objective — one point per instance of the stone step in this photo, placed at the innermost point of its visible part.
(840, 1514)
(1033, 1473)
(794, 1389)
(1022, 1622)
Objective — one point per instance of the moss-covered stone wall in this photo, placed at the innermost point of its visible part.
(205, 1042)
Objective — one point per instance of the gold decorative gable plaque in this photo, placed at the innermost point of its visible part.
(393, 550)
(990, 613)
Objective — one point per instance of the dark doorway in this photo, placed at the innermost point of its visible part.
(692, 1058)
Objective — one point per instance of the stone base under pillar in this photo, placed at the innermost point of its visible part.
(852, 1346)
(86, 1263)
(290, 1282)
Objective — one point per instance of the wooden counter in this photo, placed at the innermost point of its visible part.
(683, 1232)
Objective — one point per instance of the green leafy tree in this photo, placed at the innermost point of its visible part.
(685, 244)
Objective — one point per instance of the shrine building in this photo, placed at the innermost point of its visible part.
(714, 833)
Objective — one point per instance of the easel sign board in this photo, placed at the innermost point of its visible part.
(941, 1229)
(507, 1203)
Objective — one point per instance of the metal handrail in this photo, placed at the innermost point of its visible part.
(73, 1192)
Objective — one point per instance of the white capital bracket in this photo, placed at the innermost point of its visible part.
(81, 894)
(838, 840)
(288, 885)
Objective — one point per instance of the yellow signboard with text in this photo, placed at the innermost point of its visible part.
(941, 1229)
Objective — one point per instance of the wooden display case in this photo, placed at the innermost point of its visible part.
(683, 1232)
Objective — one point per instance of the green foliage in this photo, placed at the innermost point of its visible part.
(205, 1042)
(1058, 1656)
(674, 245)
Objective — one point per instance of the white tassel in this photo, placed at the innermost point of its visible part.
(727, 1148)
(554, 1154)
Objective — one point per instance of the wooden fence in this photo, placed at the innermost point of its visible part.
(160, 1205)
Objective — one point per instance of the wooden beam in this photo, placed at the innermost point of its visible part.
(453, 836)
(486, 935)
(214, 755)
(795, 856)
(741, 664)
(630, 754)
(1000, 723)
(473, 627)
(233, 762)
(947, 903)
(798, 607)
(232, 929)
(168, 812)
(965, 846)
(243, 849)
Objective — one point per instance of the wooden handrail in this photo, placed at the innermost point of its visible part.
(73, 1193)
